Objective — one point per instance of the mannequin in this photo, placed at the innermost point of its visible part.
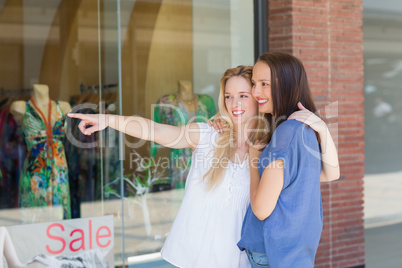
(41, 98)
(44, 178)
(186, 95)
(188, 107)
(8, 251)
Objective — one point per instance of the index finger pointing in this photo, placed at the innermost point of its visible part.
(74, 115)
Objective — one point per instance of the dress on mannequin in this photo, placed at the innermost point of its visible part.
(44, 180)
(179, 109)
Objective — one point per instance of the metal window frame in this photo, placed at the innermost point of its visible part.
(260, 27)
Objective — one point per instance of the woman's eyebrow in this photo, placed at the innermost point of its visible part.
(240, 92)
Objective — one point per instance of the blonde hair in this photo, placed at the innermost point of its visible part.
(225, 143)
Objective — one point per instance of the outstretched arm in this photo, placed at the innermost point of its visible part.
(7, 250)
(142, 128)
(329, 155)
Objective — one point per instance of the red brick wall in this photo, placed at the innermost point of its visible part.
(327, 36)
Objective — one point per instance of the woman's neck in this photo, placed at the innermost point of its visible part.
(185, 91)
(41, 94)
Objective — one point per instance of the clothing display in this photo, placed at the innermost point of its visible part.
(87, 167)
(44, 179)
(85, 259)
(12, 157)
(169, 110)
(90, 167)
(208, 224)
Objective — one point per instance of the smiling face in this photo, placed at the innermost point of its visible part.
(239, 102)
(261, 87)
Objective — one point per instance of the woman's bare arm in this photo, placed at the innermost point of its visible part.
(329, 156)
(142, 128)
(264, 192)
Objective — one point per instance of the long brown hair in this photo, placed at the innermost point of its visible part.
(226, 142)
(289, 85)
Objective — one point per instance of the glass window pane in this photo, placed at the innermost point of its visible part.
(55, 56)
(54, 176)
(382, 71)
(172, 49)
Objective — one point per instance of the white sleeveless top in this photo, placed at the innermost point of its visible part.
(207, 227)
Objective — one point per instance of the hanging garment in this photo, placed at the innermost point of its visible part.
(12, 157)
(44, 180)
(91, 167)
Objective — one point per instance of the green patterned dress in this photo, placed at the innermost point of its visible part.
(169, 110)
(44, 186)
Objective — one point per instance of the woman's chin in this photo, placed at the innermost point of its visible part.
(265, 111)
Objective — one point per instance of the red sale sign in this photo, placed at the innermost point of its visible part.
(77, 237)
(80, 240)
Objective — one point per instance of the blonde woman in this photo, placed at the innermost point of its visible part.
(217, 192)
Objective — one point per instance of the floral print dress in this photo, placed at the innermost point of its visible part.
(169, 110)
(44, 180)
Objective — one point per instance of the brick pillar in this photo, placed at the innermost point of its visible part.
(327, 36)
